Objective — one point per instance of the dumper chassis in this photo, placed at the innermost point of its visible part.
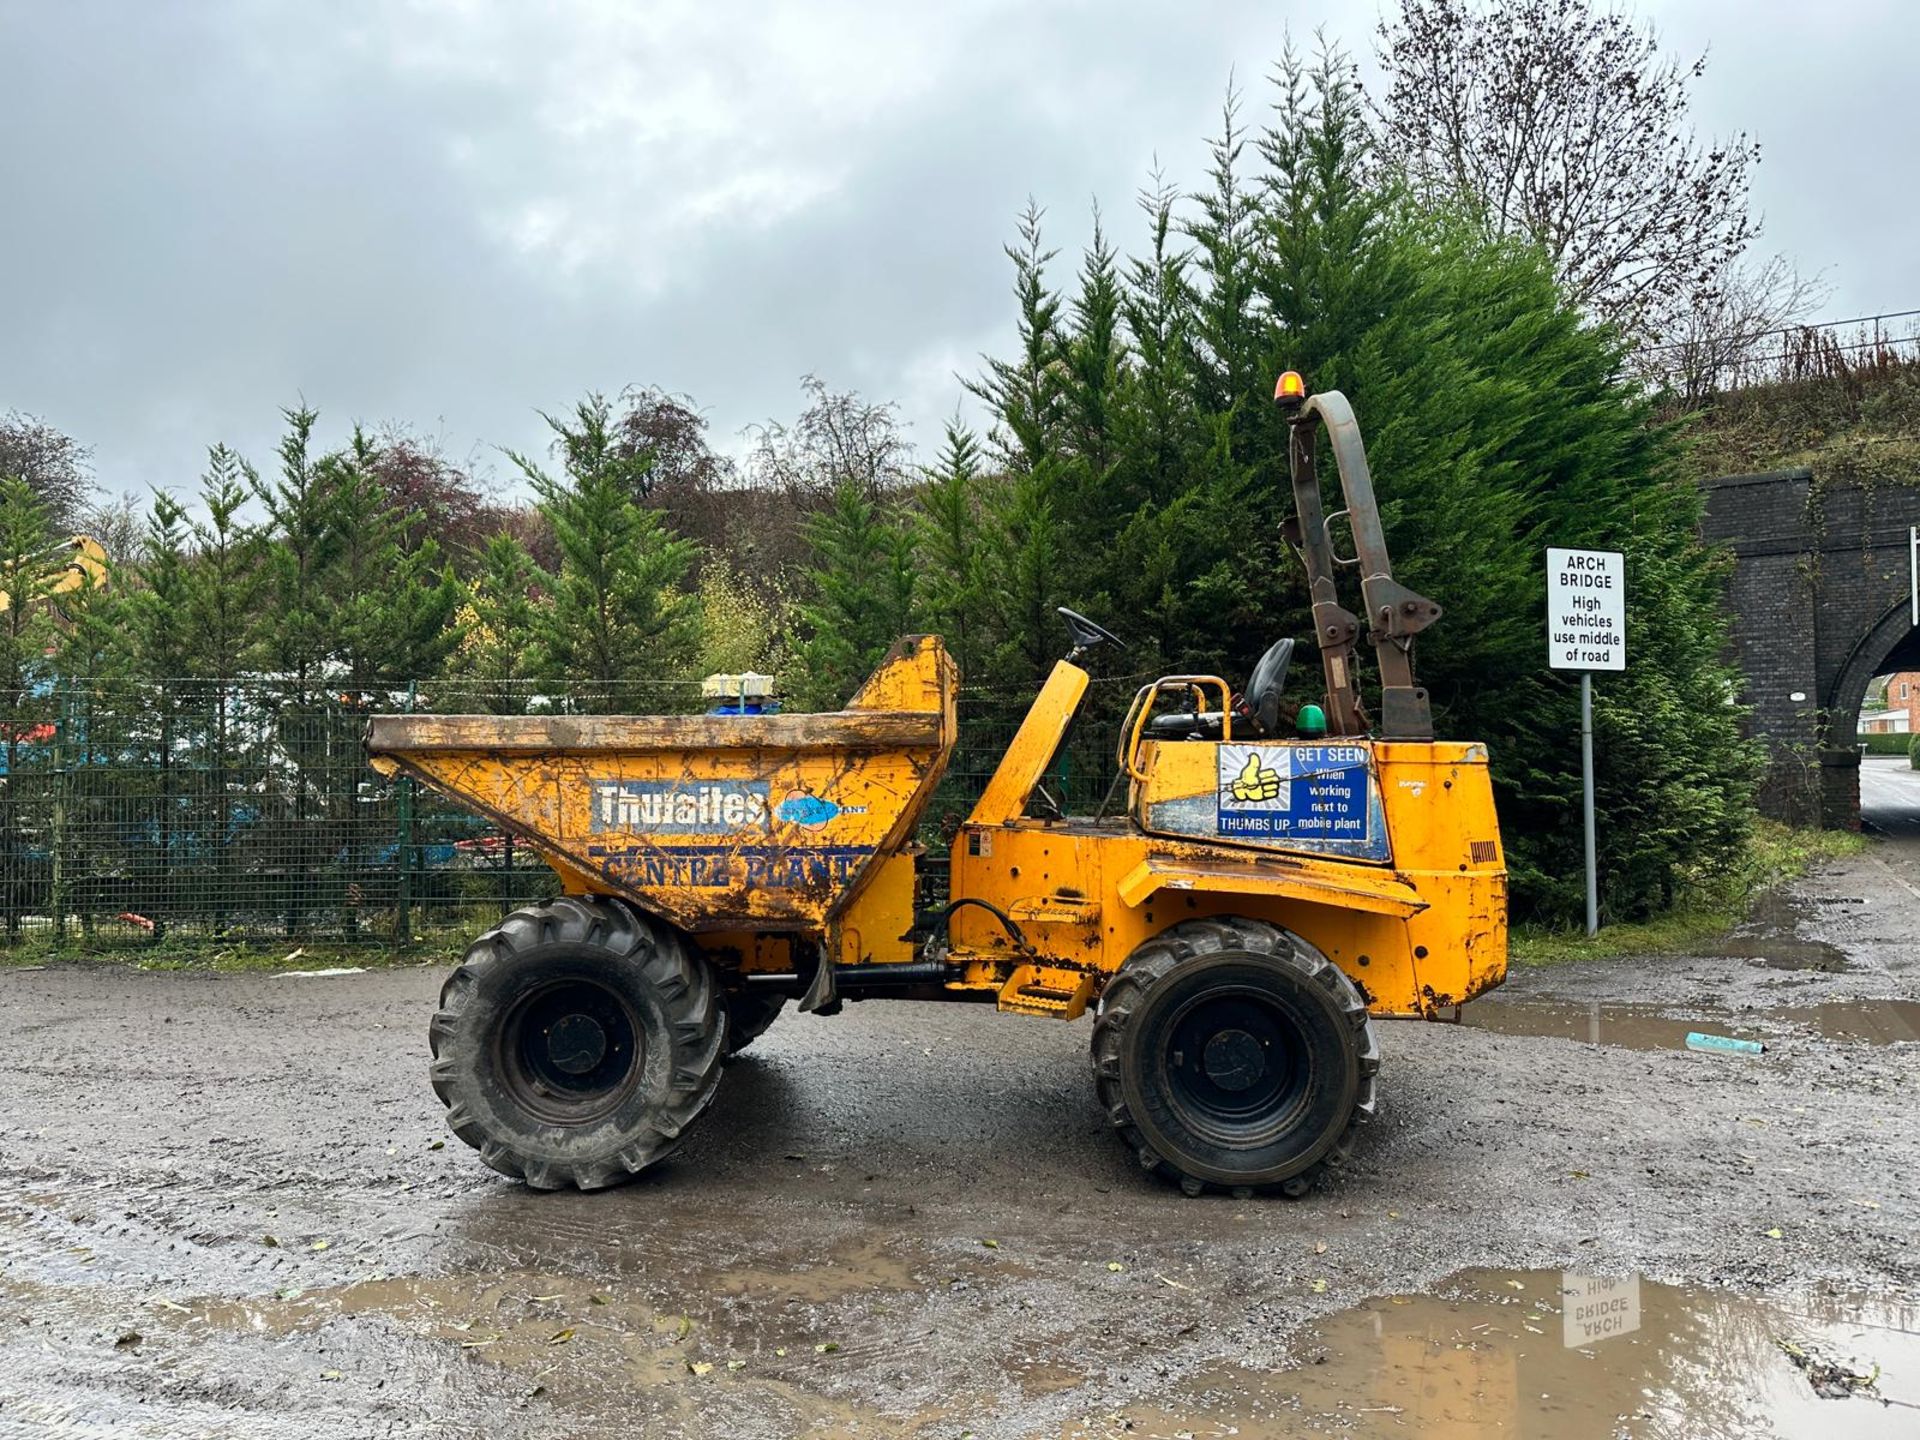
(1235, 933)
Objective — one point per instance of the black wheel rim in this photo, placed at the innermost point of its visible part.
(1238, 1068)
(571, 1051)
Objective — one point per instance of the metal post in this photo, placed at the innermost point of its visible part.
(1913, 571)
(60, 735)
(1586, 777)
(404, 803)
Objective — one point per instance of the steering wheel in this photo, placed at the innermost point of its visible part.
(1086, 634)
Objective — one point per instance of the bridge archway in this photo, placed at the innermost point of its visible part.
(1890, 646)
(1821, 603)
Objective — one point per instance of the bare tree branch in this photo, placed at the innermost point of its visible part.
(839, 437)
(1731, 335)
(55, 466)
(1560, 121)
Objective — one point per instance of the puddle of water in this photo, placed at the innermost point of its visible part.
(1877, 1022)
(863, 1268)
(1542, 1354)
(689, 1353)
(1770, 937)
(1648, 1027)
(1632, 1027)
(1814, 955)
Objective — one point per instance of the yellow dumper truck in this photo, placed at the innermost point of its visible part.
(1264, 895)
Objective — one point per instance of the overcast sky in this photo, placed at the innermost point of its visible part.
(453, 213)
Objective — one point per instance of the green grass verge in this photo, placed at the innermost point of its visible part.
(1707, 907)
(200, 952)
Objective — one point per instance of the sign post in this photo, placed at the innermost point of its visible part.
(1587, 631)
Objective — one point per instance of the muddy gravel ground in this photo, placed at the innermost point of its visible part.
(229, 1206)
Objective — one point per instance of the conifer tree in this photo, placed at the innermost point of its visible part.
(617, 614)
(1093, 496)
(223, 585)
(1227, 332)
(158, 649)
(158, 616)
(389, 601)
(860, 594)
(303, 538)
(225, 637)
(1025, 514)
(497, 620)
(1156, 424)
(89, 648)
(1024, 393)
(28, 566)
(962, 587)
(303, 541)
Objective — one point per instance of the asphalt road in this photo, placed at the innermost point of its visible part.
(229, 1206)
(1890, 796)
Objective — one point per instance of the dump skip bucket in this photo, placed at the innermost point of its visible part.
(758, 822)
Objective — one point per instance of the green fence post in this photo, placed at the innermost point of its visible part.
(404, 804)
(59, 895)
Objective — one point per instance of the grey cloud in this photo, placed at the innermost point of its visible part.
(218, 208)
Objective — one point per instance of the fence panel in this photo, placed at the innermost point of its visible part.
(133, 812)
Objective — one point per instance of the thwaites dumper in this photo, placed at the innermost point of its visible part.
(1233, 933)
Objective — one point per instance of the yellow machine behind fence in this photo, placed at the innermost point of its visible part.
(86, 566)
(1262, 898)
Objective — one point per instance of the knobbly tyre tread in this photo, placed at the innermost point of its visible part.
(749, 1016)
(690, 1000)
(1152, 962)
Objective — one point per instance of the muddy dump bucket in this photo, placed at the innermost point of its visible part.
(749, 822)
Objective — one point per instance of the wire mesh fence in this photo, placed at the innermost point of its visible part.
(133, 813)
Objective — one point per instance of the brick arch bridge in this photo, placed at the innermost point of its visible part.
(1821, 604)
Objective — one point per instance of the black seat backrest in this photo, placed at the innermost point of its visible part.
(1268, 683)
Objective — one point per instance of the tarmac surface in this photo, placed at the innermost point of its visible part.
(230, 1206)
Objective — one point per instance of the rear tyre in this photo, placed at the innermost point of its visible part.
(749, 1015)
(1231, 1054)
(576, 1042)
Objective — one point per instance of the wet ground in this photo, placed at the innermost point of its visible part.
(229, 1207)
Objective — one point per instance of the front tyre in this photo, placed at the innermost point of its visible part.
(576, 1042)
(1231, 1053)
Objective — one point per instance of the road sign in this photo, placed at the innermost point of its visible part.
(1587, 631)
(1586, 609)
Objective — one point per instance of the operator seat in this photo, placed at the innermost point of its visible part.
(1256, 713)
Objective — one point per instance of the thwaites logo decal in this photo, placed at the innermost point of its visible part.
(691, 807)
(1301, 792)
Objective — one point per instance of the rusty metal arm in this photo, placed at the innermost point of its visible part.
(1395, 614)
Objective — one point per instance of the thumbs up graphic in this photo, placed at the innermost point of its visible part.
(1255, 782)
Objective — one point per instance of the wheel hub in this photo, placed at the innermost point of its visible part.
(1234, 1060)
(571, 1051)
(576, 1043)
(1235, 1067)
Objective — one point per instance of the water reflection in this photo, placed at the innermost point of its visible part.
(1497, 1352)
(1650, 1027)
